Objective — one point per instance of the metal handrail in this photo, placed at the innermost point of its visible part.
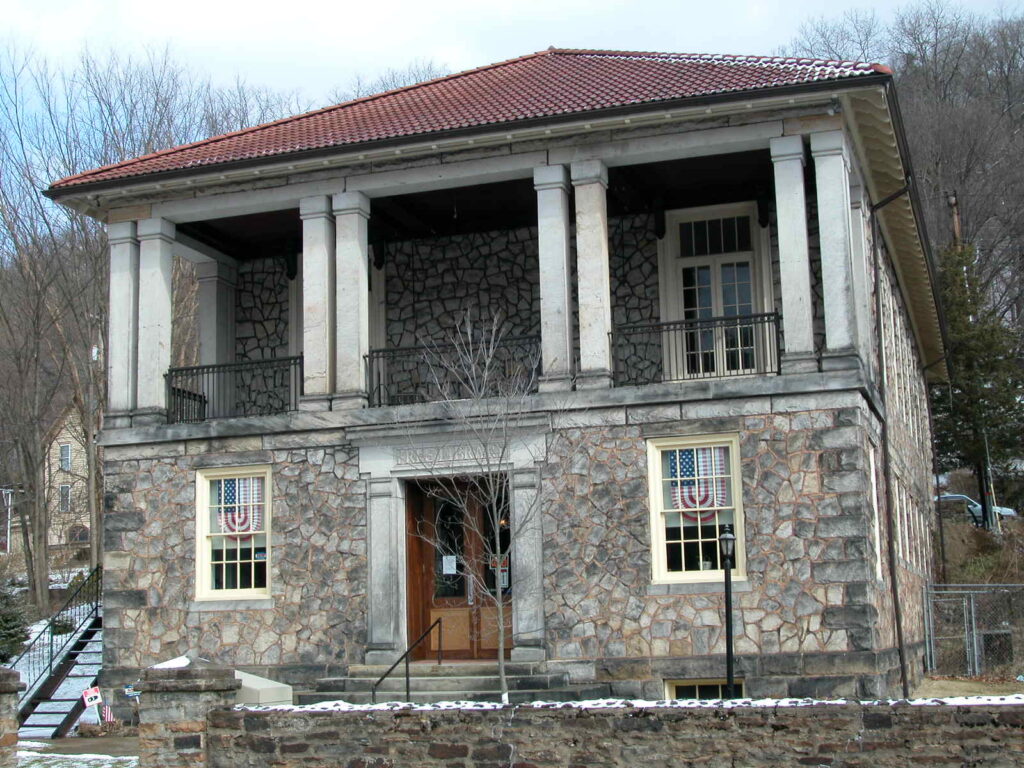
(405, 657)
(81, 611)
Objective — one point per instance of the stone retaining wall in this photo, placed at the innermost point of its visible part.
(837, 735)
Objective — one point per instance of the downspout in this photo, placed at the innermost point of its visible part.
(883, 385)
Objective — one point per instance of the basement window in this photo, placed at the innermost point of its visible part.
(701, 689)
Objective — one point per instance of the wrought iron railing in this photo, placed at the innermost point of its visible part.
(256, 388)
(435, 372)
(647, 353)
(43, 654)
(405, 657)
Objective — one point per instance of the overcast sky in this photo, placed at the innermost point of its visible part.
(315, 45)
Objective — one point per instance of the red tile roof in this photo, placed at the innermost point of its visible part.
(546, 84)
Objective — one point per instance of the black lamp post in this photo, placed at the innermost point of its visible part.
(727, 545)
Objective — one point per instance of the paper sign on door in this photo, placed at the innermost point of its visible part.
(449, 567)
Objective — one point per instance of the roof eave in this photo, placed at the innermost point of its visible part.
(75, 195)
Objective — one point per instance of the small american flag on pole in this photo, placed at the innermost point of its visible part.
(108, 714)
(698, 481)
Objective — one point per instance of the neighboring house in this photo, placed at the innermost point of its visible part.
(721, 263)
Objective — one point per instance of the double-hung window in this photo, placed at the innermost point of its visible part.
(696, 494)
(233, 533)
(64, 501)
(65, 457)
(715, 300)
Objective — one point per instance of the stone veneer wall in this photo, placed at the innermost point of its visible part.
(842, 736)
(261, 310)
(315, 620)
(809, 588)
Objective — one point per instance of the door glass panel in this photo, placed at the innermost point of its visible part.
(449, 580)
(738, 338)
(698, 341)
(498, 564)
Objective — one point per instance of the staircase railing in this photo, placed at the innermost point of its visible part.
(43, 654)
(405, 657)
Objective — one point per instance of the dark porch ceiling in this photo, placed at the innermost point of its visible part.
(647, 188)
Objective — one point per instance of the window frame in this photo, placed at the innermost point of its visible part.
(670, 685)
(671, 262)
(204, 590)
(61, 464)
(64, 493)
(659, 571)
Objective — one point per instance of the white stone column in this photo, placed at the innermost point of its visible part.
(386, 609)
(590, 180)
(527, 568)
(832, 178)
(859, 206)
(552, 185)
(794, 261)
(217, 282)
(318, 244)
(352, 312)
(122, 319)
(156, 259)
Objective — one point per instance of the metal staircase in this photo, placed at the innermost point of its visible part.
(61, 662)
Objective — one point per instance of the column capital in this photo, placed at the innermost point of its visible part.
(316, 207)
(827, 143)
(216, 270)
(589, 172)
(351, 202)
(155, 229)
(787, 148)
(550, 177)
(121, 232)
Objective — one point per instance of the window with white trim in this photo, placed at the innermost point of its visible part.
(701, 689)
(233, 512)
(696, 494)
(65, 457)
(714, 293)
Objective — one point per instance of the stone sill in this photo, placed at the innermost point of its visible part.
(254, 604)
(695, 588)
(582, 408)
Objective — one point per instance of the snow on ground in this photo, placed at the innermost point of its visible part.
(30, 759)
(344, 706)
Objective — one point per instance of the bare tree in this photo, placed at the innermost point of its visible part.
(484, 380)
(415, 71)
(55, 122)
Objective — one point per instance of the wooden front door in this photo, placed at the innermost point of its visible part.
(452, 577)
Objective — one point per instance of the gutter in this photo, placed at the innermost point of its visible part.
(504, 133)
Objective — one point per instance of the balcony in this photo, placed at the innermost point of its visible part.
(258, 388)
(449, 371)
(740, 345)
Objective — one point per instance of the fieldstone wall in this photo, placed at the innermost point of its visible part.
(10, 687)
(314, 620)
(809, 587)
(841, 736)
(261, 310)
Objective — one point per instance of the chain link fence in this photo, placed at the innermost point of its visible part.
(975, 629)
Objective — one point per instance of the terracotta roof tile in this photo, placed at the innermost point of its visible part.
(545, 84)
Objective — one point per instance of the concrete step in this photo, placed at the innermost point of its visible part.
(449, 669)
(396, 682)
(569, 693)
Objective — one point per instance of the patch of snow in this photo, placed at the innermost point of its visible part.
(344, 706)
(32, 744)
(178, 663)
(51, 760)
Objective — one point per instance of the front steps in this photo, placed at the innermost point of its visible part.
(451, 681)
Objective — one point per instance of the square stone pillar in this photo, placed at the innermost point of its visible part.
(156, 261)
(859, 208)
(352, 318)
(832, 177)
(386, 610)
(318, 265)
(552, 185)
(590, 180)
(122, 319)
(794, 261)
(527, 568)
(217, 283)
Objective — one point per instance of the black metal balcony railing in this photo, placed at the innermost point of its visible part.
(709, 348)
(425, 374)
(257, 388)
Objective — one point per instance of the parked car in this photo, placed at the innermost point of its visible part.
(973, 508)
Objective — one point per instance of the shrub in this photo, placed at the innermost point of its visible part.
(13, 626)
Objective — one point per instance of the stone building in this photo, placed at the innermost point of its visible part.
(718, 265)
